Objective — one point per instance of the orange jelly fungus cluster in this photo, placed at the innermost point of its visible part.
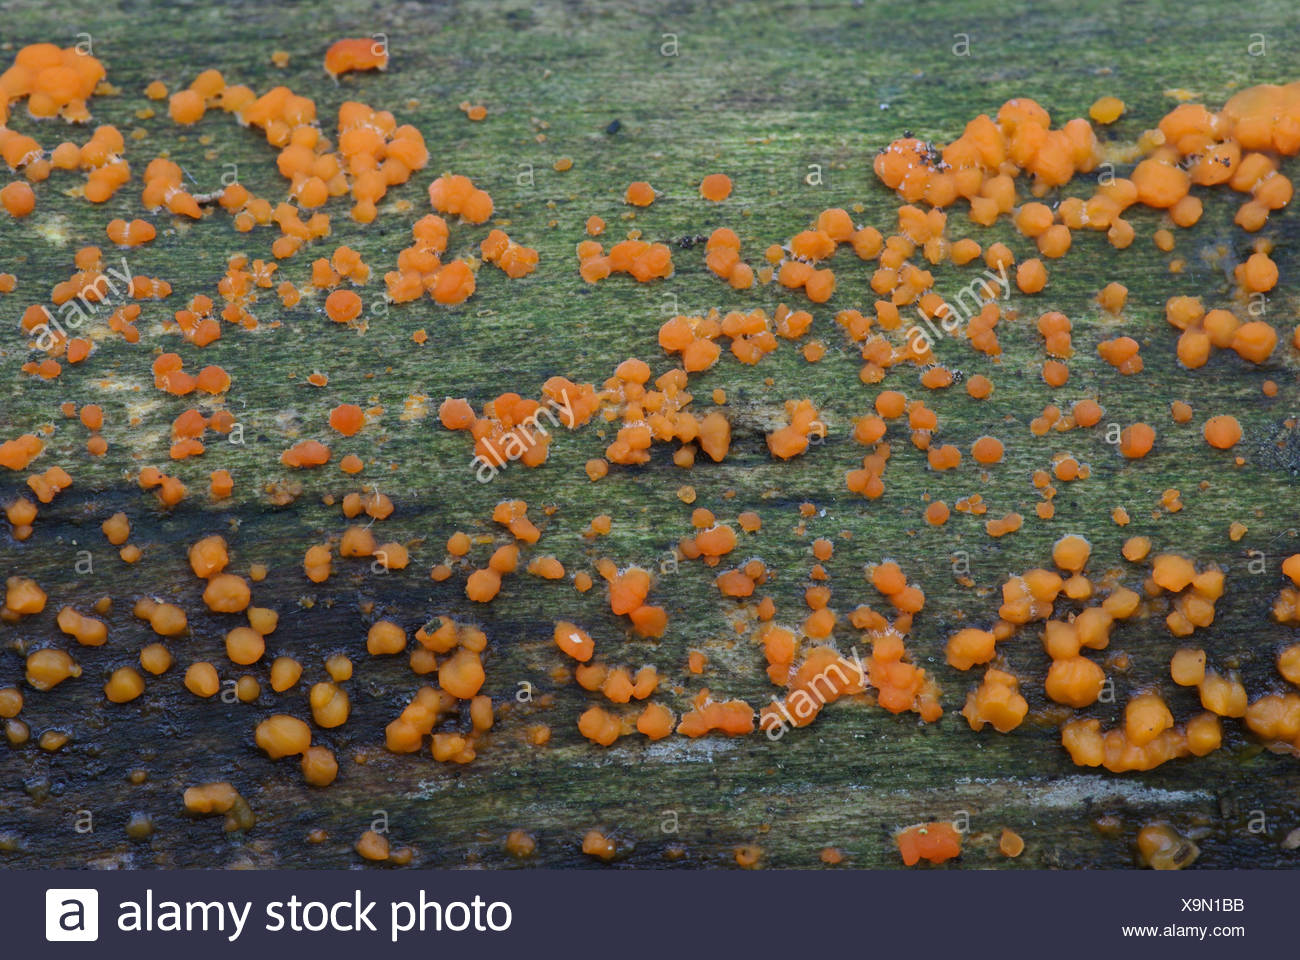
(934, 842)
(1072, 605)
(356, 53)
(55, 82)
(643, 260)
